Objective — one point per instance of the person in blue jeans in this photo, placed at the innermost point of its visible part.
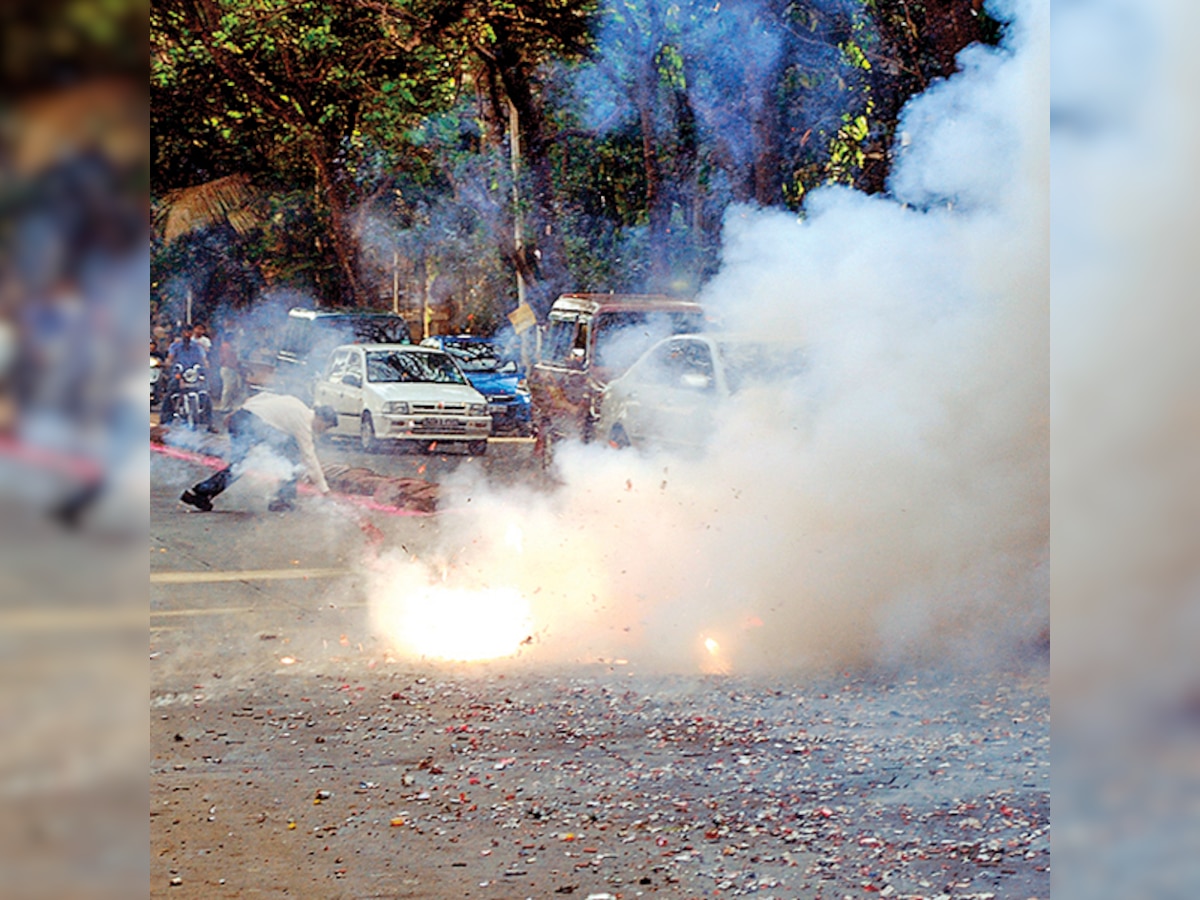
(284, 425)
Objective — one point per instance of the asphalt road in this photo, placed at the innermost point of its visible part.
(294, 754)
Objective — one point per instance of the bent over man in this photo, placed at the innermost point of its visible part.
(286, 427)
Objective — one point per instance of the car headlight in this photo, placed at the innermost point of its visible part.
(395, 408)
(477, 409)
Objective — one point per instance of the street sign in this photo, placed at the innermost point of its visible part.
(522, 318)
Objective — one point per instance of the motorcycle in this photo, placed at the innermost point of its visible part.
(156, 380)
(188, 398)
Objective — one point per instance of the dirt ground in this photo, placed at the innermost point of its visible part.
(497, 782)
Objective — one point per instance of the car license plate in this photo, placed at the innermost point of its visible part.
(437, 423)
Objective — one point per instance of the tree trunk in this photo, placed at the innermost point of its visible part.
(543, 258)
(658, 212)
(764, 129)
(345, 248)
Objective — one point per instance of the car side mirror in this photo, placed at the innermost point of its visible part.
(351, 379)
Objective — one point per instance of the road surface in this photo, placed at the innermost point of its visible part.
(294, 754)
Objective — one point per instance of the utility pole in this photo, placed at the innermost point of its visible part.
(514, 145)
(396, 281)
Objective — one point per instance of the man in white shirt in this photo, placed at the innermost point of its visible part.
(283, 424)
(200, 336)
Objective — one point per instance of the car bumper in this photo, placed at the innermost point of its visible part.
(511, 417)
(436, 428)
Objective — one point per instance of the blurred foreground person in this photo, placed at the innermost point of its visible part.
(284, 426)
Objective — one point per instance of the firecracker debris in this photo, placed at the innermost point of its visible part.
(601, 782)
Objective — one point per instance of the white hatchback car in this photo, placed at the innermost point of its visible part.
(671, 396)
(404, 393)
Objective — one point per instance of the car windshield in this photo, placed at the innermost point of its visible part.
(477, 356)
(398, 365)
(749, 363)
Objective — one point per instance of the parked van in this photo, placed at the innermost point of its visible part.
(310, 336)
(588, 340)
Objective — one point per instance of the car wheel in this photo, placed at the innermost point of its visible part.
(617, 437)
(477, 448)
(366, 433)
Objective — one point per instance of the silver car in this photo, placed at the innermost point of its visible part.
(670, 397)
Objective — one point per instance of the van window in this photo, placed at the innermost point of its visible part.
(295, 336)
(363, 329)
(560, 338)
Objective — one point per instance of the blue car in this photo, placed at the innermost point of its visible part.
(497, 377)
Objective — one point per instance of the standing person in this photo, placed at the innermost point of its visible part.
(284, 425)
(231, 374)
(200, 336)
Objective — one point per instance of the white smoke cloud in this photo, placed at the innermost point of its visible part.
(896, 505)
(1126, 440)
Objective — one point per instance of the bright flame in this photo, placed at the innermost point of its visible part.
(514, 538)
(458, 624)
(715, 663)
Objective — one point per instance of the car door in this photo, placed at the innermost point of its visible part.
(354, 382)
(675, 409)
(327, 389)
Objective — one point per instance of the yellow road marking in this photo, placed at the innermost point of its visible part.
(210, 577)
(35, 619)
(213, 611)
(233, 610)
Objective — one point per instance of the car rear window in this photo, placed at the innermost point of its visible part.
(478, 356)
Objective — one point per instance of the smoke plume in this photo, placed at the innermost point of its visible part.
(891, 506)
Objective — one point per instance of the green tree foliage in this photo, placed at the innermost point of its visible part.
(294, 84)
(428, 150)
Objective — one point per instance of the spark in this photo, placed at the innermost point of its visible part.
(514, 538)
(458, 624)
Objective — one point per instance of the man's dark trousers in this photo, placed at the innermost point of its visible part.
(247, 431)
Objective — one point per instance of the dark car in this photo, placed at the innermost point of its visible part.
(310, 335)
(495, 375)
